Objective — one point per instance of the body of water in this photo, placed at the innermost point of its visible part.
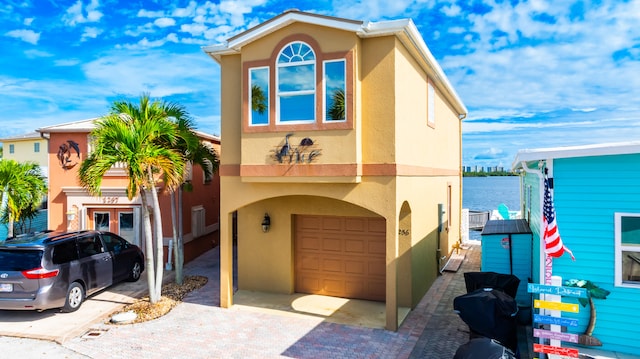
(487, 193)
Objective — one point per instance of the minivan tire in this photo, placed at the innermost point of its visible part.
(135, 272)
(75, 297)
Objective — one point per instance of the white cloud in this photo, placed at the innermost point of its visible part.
(90, 33)
(28, 21)
(77, 15)
(146, 43)
(188, 11)
(151, 14)
(151, 71)
(66, 62)
(164, 22)
(29, 36)
(33, 53)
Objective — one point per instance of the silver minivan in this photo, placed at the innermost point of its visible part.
(60, 269)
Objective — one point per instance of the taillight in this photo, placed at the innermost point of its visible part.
(40, 273)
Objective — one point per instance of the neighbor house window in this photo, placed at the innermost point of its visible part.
(296, 84)
(627, 263)
(36, 147)
(431, 104)
(259, 96)
(12, 149)
(335, 88)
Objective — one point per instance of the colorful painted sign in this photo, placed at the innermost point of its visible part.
(547, 334)
(555, 290)
(548, 349)
(545, 319)
(564, 307)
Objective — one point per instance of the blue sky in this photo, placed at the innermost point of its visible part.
(532, 73)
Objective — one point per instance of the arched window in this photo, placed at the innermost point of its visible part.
(296, 84)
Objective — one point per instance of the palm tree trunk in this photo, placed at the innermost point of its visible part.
(157, 221)
(148, 243)
(174, 226)
(180, 252)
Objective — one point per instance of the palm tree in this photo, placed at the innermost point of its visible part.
(336, 110)
(201, 154)
(258, 99)
(593, 291)
(137, 135)
(22, 189)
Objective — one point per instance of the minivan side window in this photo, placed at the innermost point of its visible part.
(89, 246)
(113, 243)
(64, 252)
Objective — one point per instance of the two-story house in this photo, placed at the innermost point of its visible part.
(71, 207)
(342, 156)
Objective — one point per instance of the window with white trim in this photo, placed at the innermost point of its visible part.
(259, 96)
(335, 88)
(296, 84)
(627, 261)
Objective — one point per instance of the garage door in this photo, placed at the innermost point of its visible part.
(340, 256)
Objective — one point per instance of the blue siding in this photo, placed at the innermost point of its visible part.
(37, 224)
(587, 193)
(535, 220)
(495, 258)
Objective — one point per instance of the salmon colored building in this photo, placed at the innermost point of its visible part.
(71, 207)
(342, 156)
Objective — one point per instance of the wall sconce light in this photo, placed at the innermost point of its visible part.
(71, 215)
(266, 223)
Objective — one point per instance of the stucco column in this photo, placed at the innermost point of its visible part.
(391, 304)
(226, 261)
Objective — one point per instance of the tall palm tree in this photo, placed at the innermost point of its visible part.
(22, 188)
(137, 135)
(196, 152)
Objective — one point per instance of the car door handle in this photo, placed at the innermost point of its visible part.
(106, 259)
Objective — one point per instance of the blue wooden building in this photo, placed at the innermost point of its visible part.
(596, 194)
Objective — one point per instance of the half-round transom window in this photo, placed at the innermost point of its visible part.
(296, 79)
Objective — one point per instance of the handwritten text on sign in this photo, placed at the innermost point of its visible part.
(545, 319)
(547, 334)
(548, 349)
(563, 291)
(565, 307)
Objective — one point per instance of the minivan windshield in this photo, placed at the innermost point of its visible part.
(19, 260)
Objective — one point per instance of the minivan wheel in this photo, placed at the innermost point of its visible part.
(75, 296)
(135, 272)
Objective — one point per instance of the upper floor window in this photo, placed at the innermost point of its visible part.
(259, 95)
(296, 85)
(627, 249)
(12, 148)
(335, 88)
(36, 147)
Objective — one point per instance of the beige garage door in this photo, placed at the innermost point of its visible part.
(340, 256)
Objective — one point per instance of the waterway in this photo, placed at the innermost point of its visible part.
(487, 193)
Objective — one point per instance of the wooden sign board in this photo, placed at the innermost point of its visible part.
(547, 334)
(545, 319)
(564, 307)
(548, 349)
(556, 290)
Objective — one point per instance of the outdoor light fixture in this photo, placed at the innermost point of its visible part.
(71, 215)
(266, 223)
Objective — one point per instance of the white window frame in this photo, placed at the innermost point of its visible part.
(300, 93)
(619, 248)
(267, 93)
(324, 85)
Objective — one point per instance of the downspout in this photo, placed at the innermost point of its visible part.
(538, 173)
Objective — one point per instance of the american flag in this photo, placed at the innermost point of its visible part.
(552, 241)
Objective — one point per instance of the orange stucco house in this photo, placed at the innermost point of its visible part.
(342, 155)
(71, 207)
